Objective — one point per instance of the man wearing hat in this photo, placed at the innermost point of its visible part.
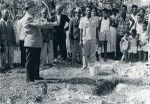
(33, 40)
(74, 34)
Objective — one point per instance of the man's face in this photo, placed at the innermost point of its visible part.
(33, 10)
(144, 27)
(5, 14)
(142, 12)
(77, 13)
(88, 12)
(139, 18)
(105, 14)
(93, 13)
(134, 10)
(59, 11)
(123, 9)
(44, 14)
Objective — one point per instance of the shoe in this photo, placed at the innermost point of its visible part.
(85, 67)
(55, 60)
(10, 66)
(39, 78)
(30, 80)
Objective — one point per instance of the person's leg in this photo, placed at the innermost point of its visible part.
(118, 51)
(50, 51)
(22, 49)
(145, 55)
(23, 54)
(44, 53)
(134, 57)
(11, 56)
(85, 52)
(63, 50)
(74, 51)
(6, 56)
(140, 56)
(29, 65)
(36, 58)
(80, 53)
(105, 50)
(131, 57)
(3, 59)
(123, 56)
(55, 47)
(92, 49)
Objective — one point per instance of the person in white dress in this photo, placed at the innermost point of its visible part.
(132, 46)
(113, 31)
(124, 45)
(104, 35)
(143, 43)
(139, 28)
(94, 15)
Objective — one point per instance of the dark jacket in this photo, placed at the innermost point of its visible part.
(32, 29)
(7, 33)
(59, 32)
(74, 31)
(45, 32)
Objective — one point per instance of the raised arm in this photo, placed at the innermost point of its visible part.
(132, 20)
(44, 25)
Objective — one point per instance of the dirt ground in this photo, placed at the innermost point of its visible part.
(72, 85)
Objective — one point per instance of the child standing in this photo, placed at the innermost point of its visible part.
(143, 43)
(124, 43)
(104, 31)
(132, 45)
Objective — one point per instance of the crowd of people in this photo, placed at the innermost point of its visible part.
(86, 36)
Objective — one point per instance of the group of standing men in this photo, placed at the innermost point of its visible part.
(42, 39)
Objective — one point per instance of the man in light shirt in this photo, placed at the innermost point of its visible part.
(88, 35)
(33, 41)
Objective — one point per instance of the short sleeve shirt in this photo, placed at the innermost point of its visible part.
(89, 28)
(123, 24)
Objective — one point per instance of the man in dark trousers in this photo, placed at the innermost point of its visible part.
(8, 40)
(74, 34)
(33, 41)
(60, 34)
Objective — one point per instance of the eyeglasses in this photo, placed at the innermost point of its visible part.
(76, 12)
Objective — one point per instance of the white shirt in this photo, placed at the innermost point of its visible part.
(105, 25)
(20, 31)
(139, 27)
(58, 17)
(143, 37)
(134, 17)
(89, 28)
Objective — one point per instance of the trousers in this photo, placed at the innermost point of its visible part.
(23, 53)
(47, 52)
(32, 63)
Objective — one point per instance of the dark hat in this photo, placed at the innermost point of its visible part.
(29, 4)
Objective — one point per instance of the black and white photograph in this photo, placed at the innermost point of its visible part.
(74, 51)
